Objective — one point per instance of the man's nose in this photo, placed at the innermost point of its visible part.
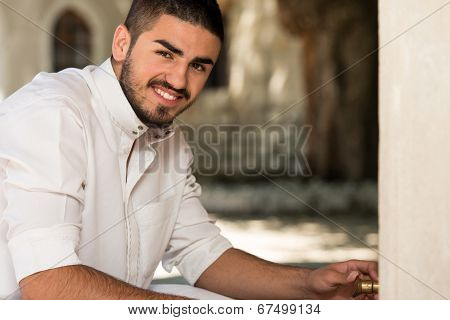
(177, 77)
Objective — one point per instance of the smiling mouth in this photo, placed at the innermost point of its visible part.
(166, 95)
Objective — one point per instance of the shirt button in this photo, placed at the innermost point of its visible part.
(135, 133)
(141, 128)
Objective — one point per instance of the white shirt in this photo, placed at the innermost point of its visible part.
(68, 197)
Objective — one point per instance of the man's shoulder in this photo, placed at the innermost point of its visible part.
(64, 88)
(69, 83)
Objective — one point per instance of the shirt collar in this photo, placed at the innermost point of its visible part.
(120, 109)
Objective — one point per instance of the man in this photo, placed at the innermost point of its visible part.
(96, 187)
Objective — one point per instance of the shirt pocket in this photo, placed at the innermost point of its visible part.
(155, 224)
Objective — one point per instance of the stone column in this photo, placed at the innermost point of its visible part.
(3, 64)
(414, 150)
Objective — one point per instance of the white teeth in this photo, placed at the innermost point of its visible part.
(165, 95)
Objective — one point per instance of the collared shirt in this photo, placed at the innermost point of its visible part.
(84, 181)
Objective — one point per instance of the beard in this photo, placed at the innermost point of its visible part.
(159, 115)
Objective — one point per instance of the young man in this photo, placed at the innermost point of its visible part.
(95, 182)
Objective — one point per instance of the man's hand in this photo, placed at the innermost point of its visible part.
(338, 281)
(240, 275)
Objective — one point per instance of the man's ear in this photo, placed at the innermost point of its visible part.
(121, 43)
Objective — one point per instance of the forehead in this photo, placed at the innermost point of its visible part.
(193, 40)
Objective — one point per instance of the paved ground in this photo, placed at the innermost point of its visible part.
(309, 242)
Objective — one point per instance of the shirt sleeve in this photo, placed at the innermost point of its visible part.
(196, 242)
(43, 152)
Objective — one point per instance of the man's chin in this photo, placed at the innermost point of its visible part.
(161, 123)
(159, 120)
(163, 115)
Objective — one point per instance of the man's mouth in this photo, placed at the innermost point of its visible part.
(165, 94)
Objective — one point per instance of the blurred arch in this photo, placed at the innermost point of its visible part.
(72, 45)
(89, 14)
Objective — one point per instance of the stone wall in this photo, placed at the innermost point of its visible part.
(3, 66)
(414, 150)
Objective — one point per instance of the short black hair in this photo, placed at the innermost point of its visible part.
(205, 13)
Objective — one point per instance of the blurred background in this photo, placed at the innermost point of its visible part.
(296, 78)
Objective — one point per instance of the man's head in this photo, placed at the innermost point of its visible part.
(164, 53)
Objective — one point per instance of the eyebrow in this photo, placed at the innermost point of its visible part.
(201, 60)
(166, 44)
(170, 47)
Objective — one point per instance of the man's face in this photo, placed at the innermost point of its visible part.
(165, 71)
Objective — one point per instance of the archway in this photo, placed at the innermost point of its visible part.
(72, 44)
(91, 16)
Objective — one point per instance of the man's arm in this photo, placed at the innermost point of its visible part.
(83, 283)
(242, 276)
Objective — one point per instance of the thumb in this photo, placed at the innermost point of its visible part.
(352, 276)
(335, 278)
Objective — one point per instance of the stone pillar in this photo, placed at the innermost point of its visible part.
(414, 178)
(3, 70)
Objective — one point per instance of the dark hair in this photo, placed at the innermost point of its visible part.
(205, 13)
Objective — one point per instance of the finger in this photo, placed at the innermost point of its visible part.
(336, 279)
(365, 277)
(366, 267)
(373, 271)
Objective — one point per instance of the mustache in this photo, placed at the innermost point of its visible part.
(184, 92)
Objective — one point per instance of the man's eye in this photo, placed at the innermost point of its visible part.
(164, 54)
(198, 67)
